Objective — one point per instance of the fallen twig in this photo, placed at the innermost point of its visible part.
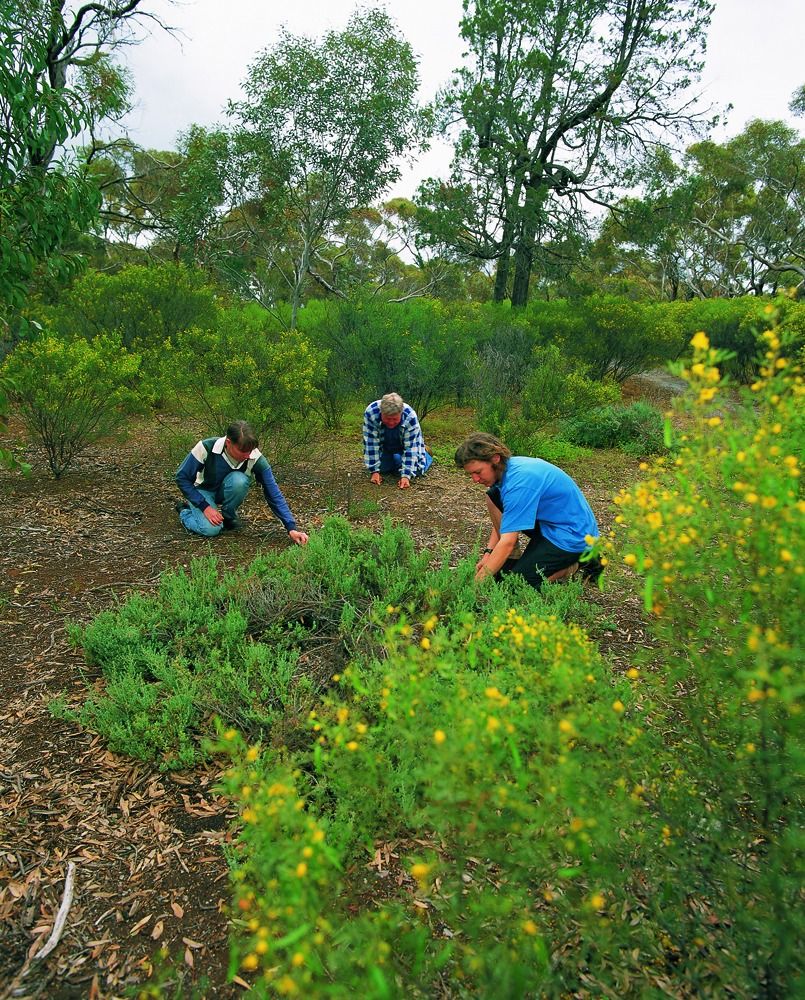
(61, 916)
(14, 988)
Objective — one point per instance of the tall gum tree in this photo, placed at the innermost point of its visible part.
(319, 135)
(556, 100)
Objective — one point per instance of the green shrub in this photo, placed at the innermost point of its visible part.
(555, 388)
(557, 321)
(555, 449)
(493, 743)
(256, 647)
(413, 348)
(609, 336)
(243, 369)
(637, 429)
(517, 409)
(731, 324)
(71, 393)
(146, 306)
(718, 543)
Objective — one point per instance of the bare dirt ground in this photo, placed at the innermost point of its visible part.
(147, 847)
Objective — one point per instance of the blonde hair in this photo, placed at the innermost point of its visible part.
(480, 447)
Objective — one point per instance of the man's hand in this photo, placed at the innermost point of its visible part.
(491, 562)
(213, 515)
(376, 478)
(405, 482)
(298, 537)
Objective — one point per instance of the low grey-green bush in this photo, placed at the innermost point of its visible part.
(256, 647)
(637, 429)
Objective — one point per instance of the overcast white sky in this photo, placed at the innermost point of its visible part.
(755, 59)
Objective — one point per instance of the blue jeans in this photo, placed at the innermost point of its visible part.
(229, 497)
(393, 463)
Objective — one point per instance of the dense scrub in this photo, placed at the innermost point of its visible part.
(556, 826)
(182, 349)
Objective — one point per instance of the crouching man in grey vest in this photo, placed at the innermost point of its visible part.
(215, 478)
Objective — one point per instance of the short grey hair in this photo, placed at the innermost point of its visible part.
(391, 404)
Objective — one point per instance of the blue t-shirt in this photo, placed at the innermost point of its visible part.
(532, 490)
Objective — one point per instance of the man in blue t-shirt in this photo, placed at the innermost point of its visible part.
(537, 498)
(215, 478)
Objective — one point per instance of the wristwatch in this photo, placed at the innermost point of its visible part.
(486, 551)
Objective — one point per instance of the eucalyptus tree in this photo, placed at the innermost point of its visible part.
(748, 208)
(556, 100)
(727, 220)
(58, 82)
(320, 134)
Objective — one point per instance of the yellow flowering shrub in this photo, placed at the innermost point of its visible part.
(501, 747)
(715, 534)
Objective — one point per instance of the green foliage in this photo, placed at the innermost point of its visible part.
(480, 739)
(725, 321)
(555, 388)
(717, 541)
(620, 338)
(553, 448)
(551, 386)
(638, 429)
(244, 369)
(417, 348)
(41, 201)
(72, 393)
(734, 326)
(551, 831)
(257, 647)
(146, 306)
(551, 98)
(7, 458)
(600, 337)
(320, 134)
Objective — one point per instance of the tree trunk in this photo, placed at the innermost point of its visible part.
(300, 276)
(523, 259)
(524, 248)
(502, 276)
(501, 289)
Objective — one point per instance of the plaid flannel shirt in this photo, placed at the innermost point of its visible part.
(414, 456)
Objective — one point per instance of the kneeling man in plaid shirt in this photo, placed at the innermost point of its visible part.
(393, 442)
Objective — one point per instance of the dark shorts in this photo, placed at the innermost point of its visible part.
(540, 559)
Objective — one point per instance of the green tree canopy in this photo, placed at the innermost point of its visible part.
(320, 134)
(555, 101)
(728, 220)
